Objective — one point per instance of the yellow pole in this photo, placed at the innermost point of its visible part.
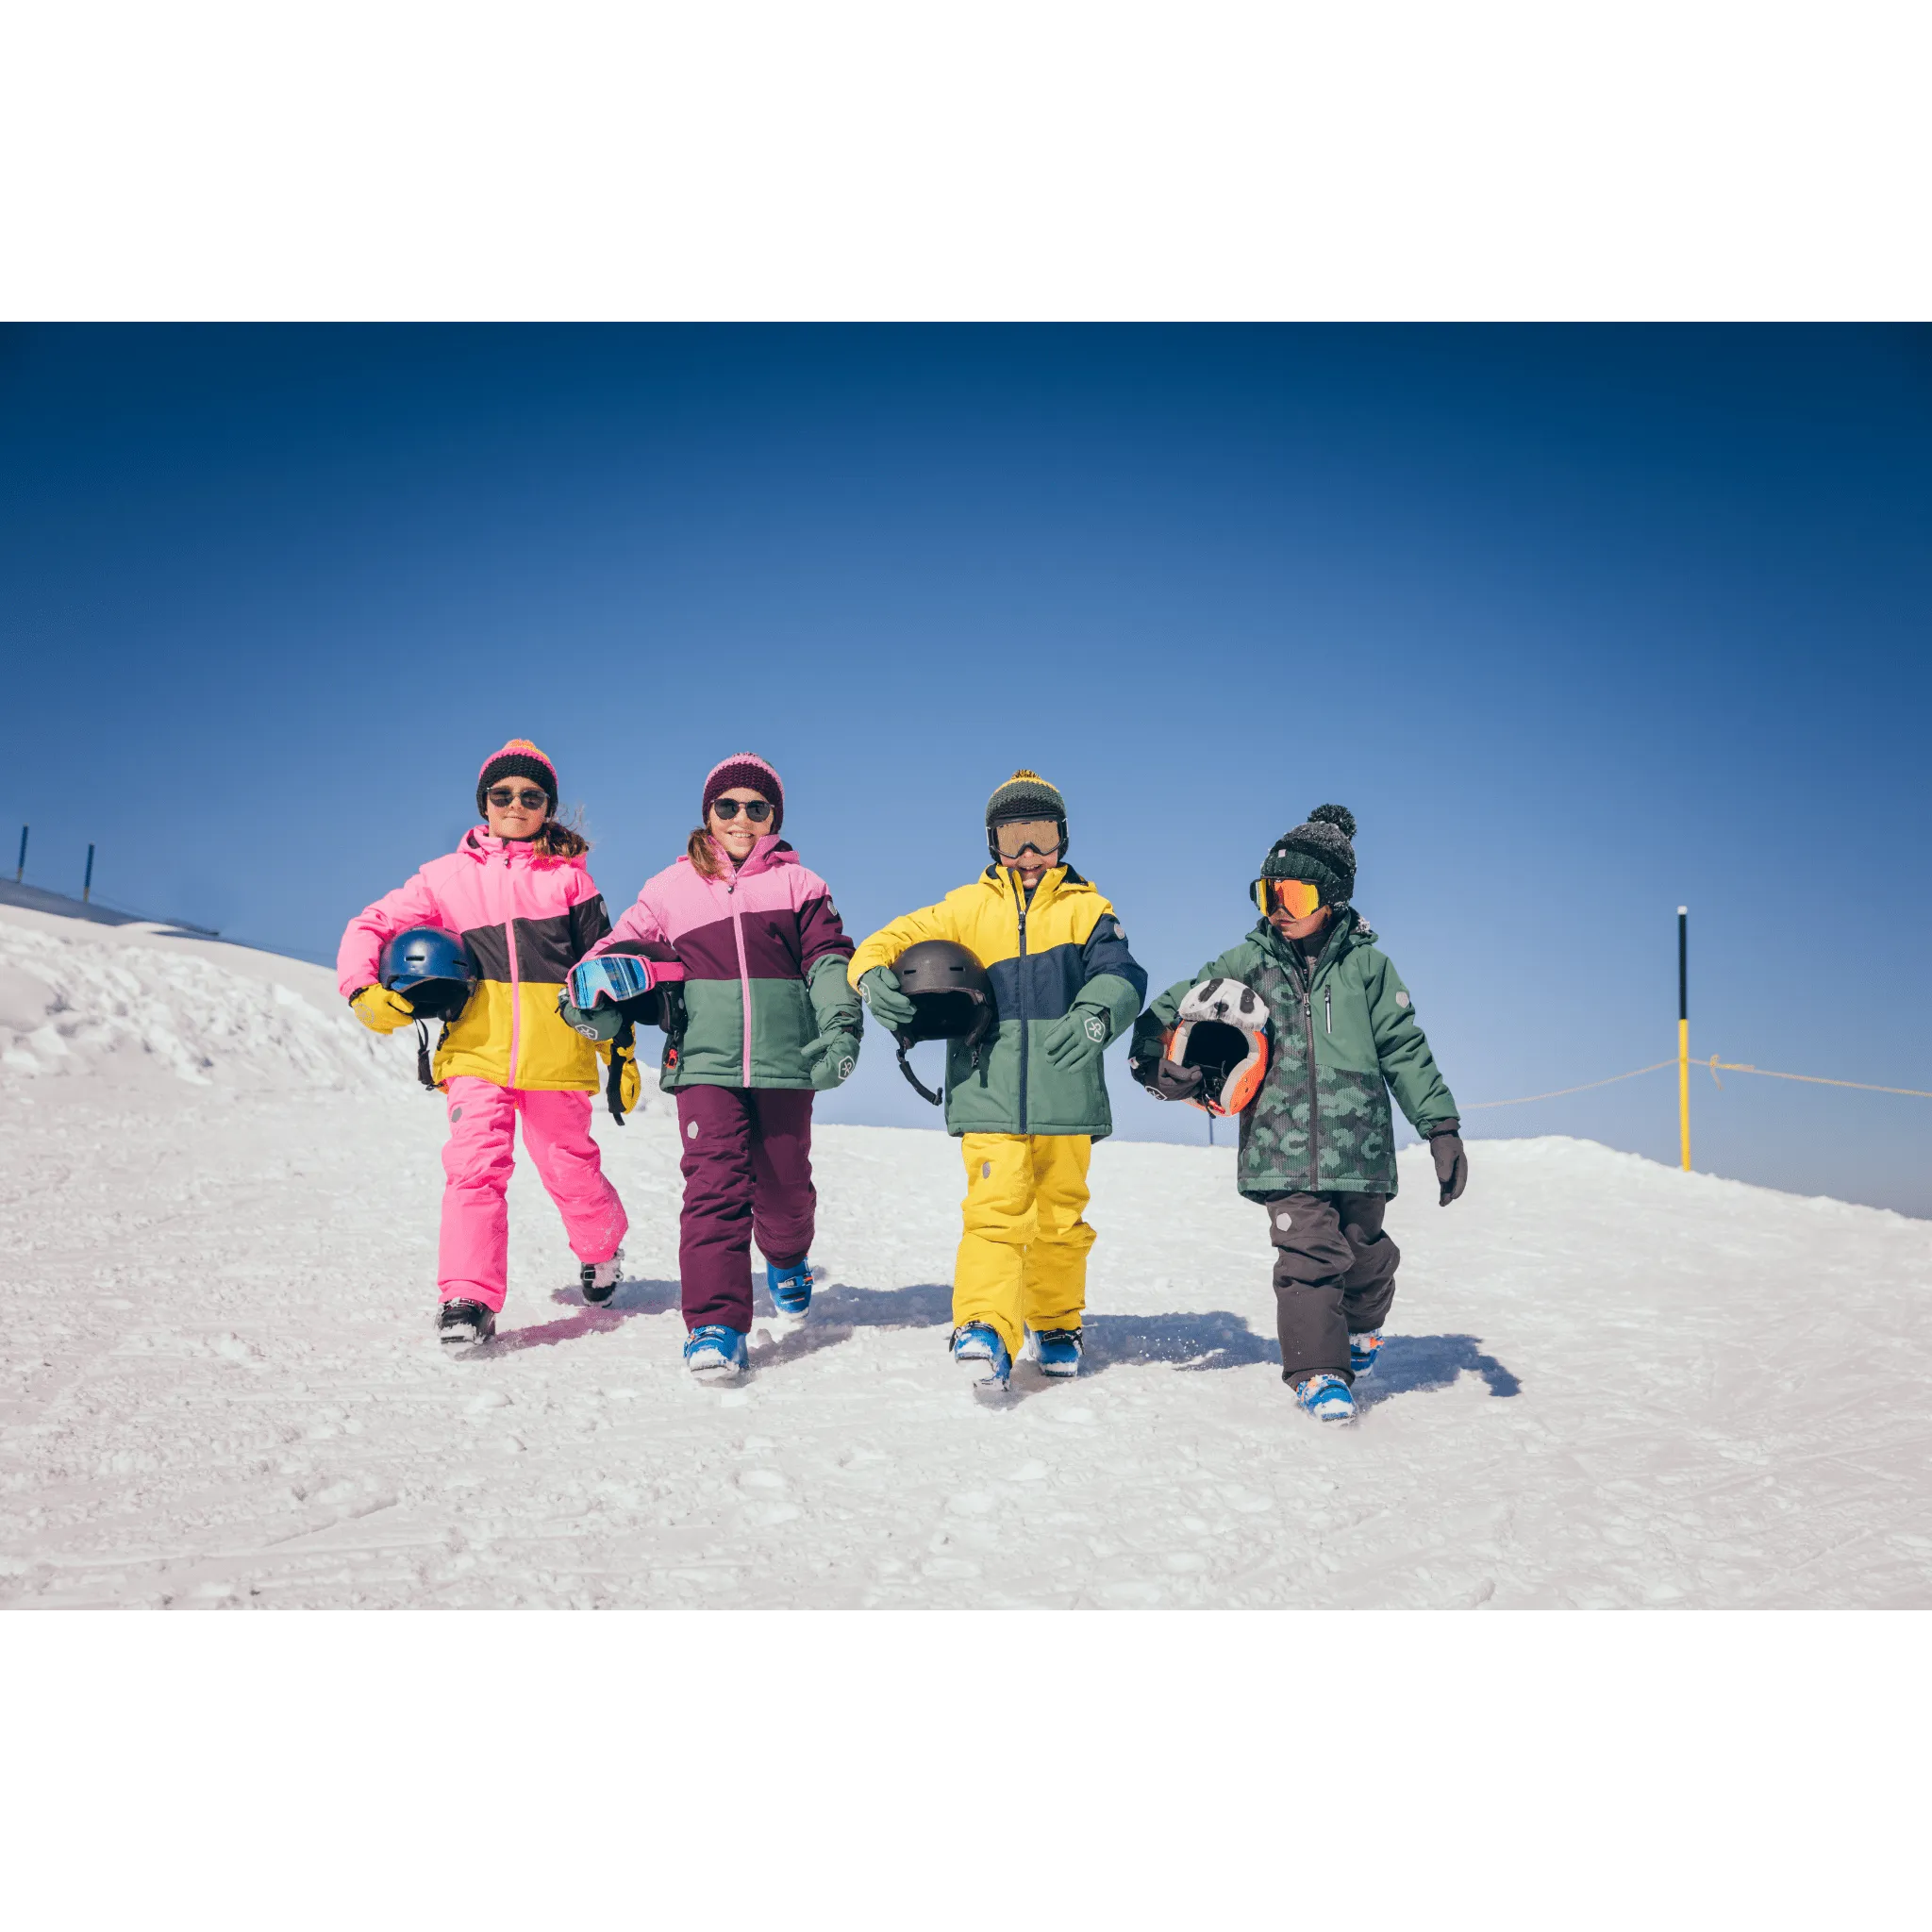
(1684, 1033)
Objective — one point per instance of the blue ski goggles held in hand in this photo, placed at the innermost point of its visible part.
(614, 977)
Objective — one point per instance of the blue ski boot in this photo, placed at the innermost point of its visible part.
(1362, 1350)
(791, 1287)
(978, 1346)
(1325, 1398)
(1057, 1350)
(715, 1351)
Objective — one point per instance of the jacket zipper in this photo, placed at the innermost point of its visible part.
(1327, 1011)
(1314, 1092)
(516, 1002)
(743, 978)
(1025, 1031)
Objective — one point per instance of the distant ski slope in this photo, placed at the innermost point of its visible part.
(1611, 1384)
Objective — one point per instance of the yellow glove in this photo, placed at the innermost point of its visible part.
(630, 1082)
(381, 1010)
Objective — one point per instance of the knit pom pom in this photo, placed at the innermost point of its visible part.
(1337, 815)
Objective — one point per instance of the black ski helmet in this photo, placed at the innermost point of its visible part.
(432, 969)
(954, 998)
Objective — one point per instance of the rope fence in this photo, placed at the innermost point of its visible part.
(1715, 1067)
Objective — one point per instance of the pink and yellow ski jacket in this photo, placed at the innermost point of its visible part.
(526, 918)
(764, 959)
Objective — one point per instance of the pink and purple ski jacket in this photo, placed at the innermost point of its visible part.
(764, 957)
(526, 918)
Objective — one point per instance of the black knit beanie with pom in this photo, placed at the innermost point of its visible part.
(1318, 852)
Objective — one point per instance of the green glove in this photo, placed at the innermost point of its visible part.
(831, 1055)
(880, 988)
(1077, 1037)
(380, 1010)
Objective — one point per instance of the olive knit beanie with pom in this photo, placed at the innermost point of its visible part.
(1318, 852)
(1024, 795)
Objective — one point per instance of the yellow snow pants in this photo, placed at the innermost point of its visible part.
(1023, 1254)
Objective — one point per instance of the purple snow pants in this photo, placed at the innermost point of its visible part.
(747, 1175)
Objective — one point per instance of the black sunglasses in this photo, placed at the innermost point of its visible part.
(503, 797)
(756, 809)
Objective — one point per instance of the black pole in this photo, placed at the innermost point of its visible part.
(87, 885)
(20, 870)
(1683, 962)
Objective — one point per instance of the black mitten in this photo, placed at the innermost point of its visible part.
(1452, 1163)
(1164, 1079)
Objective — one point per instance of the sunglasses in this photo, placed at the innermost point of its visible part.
(1027, 835)
(501, 797)
(756, 809)
(1295, 897)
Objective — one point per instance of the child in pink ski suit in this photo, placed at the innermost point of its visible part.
(517, 892)
(769, 1021)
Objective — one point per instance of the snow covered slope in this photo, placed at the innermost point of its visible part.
(1609, 1384)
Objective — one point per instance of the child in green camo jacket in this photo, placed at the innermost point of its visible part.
(1317, 1143)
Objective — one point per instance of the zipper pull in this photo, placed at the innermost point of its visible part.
(1327, 1011)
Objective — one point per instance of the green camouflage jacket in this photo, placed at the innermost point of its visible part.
(1337, 1047)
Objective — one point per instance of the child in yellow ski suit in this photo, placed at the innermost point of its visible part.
(1064, 984)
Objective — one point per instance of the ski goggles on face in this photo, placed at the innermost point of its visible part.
(1020, 836)
(502, 797)
(615, 976)
(1295, 897)
(756, 809)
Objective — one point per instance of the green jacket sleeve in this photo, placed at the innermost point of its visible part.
(1235, 963)
(834, 1005)
(1407, 1064)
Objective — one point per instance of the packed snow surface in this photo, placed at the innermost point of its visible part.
(1609, 1384)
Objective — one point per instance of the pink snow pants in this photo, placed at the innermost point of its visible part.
(474, 1261)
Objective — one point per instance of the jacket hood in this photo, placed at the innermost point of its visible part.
(770, 851)
(1061, 878)
(481, 844)
(1356, 931)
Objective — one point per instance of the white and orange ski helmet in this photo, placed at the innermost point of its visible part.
(1221, 1027)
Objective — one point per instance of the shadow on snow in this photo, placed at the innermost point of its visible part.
(1214, 1339)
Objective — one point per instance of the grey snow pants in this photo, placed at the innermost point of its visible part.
(1334, 1274)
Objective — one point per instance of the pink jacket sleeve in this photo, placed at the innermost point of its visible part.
(640, 932)
(357, 956)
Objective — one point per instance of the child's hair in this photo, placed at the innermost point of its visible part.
(562, 835)
(702, 850)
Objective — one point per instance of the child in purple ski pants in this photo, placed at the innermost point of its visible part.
(769, 1021)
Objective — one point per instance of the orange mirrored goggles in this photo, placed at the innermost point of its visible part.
(1020, 836)
(1295, 897)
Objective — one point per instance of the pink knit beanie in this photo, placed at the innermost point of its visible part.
(741, 768)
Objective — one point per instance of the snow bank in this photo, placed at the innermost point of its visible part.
(90, 1001)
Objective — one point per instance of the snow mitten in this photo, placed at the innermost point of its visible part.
(880, 988)
(831, 1056)
(381, 1010)
(1079, 1037)
(1169, 1081)
(630, 1079)
(1452, 1163)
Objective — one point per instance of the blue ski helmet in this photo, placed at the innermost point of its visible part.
(431, 968)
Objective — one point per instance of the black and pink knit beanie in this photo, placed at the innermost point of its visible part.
(518, 758)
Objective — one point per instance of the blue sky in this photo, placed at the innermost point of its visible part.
(1581, 624)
